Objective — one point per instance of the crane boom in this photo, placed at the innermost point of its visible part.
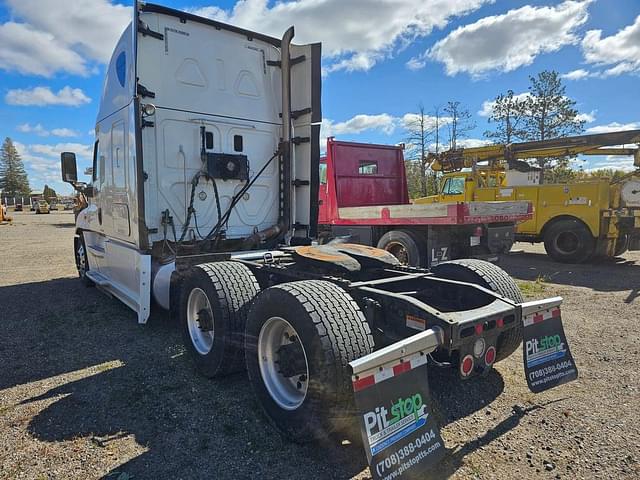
(499, 154)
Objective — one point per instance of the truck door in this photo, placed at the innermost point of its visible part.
(530, 227)
(453, 190)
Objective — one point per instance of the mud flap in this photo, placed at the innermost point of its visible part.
(547, 358)
(400, 434)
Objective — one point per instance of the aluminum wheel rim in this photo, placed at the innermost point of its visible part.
(288, 392)
(197, 305)
(82, 261)
(399, 251)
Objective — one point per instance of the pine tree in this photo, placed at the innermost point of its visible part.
(550, 113)
(13, 177)
(49, 193)
(508, 113)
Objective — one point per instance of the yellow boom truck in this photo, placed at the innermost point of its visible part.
(576, 221)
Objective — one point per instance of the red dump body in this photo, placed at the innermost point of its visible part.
(364, 184)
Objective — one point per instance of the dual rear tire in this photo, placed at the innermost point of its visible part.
(295, 340)
(492, 277)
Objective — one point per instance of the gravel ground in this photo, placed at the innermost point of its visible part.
(85, 392)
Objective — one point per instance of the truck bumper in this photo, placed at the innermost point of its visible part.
(463, 334)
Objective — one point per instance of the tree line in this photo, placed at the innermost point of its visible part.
(544, 112)
(14, 181)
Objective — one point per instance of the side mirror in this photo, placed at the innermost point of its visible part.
(69, 167)
(88, 191)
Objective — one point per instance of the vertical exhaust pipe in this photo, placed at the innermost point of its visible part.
(285, 145)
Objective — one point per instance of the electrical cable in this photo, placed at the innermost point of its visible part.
(234, 201)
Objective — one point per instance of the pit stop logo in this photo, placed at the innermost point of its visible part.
(386, 426)
(544, 349)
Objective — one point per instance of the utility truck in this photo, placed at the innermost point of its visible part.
(364, 197)
(204, 201)
(576, 221)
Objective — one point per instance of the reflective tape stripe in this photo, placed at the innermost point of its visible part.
(541, 316)
(360, 382)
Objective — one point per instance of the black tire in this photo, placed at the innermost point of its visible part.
(82, 264)
(489, 276)
(333, 332)
(622, 244)
(406, 246)
(229, 287)
(569, 241)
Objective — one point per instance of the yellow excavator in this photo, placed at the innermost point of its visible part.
(576, 221)
(3, 215)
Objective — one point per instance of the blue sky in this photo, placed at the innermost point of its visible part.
(381, 60)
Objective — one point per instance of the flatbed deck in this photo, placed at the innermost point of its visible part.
(434, 214)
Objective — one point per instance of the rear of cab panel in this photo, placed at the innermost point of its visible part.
(205, 77)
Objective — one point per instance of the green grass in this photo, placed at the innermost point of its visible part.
(532, 288)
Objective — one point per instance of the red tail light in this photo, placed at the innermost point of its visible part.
(479, 328)
(466, 366)
(500, 322)
(490, 356)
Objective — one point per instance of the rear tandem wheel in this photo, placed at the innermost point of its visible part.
(300, 339)
(489, 276)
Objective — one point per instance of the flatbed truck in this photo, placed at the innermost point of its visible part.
(204, 201)
(364, 198)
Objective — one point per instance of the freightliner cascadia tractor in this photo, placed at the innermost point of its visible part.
(204, 202)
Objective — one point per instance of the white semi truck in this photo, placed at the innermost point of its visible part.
(204, 201)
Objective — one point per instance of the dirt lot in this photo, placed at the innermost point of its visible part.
(87, 393)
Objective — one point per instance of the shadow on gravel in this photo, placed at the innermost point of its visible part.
(611, 275)
(46, 329)
(109, 378)
(64, 225)
(140, 384)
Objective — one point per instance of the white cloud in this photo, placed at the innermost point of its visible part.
(410, 120)
(64, 132)
(472, 142)
(416, 63)
(39, 130)
(614, 127)
(615, 162)
(41, 169)
(41, 96)
(46, 37)
(54, 151)
(355, 34)
(29, 51)
(621, 51)
(383, 123)
(511, 40)
(576, 74)
(587, 117)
